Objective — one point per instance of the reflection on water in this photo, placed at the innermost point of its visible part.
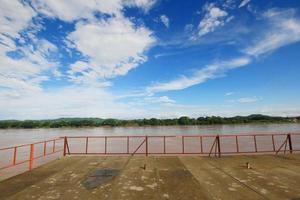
(13, 137)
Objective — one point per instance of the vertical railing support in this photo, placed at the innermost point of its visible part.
(86, 145)
(127, 144)
(45, 147)
(273, 142)
(53, 150)
(65, 146)
(201, 144)
(164, 144)
(105, 145)
(237, 144)
(290, 142)
(219, 146)
(182, 141)
(254, 137)
(216, 146)
(15, 156)
(146, 145)
(31, 156)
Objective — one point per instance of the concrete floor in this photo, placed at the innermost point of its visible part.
(176, 177)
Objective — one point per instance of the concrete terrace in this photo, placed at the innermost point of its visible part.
(160, 177)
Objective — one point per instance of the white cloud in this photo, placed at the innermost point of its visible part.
(229, 93)
(14, 17)
(208, 72)
(249, 99)
(213, 18)
(165, 20)
(162, 99)
(70, 10)
(64, 102)
(112, 47)
(283, 29)
(244, 3)
(146, 5)
(24, 73)
(95, 102)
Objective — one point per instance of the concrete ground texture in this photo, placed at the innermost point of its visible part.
(160, 177)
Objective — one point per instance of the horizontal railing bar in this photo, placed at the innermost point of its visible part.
(161, 136)
(179, 153)
(23, 145)
(130, 136)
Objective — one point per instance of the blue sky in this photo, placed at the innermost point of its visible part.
(148, 58)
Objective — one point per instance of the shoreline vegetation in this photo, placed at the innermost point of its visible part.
(99, 122)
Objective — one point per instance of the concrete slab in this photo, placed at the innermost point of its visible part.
(159, 177)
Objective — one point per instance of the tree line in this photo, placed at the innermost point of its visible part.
(184, 120)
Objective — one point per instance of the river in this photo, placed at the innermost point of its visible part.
(11, 137)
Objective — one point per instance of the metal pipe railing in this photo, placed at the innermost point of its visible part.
(31, 152)
(269, 140)
(154, 145)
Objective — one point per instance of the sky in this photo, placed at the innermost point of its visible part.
(149, 58)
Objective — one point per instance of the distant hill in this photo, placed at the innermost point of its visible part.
(97, 122)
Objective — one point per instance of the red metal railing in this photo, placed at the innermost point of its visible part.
(192, 144)
(27, 153)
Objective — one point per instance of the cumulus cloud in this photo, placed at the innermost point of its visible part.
(112, 47)
(214, 17)
(21, 66)
(165, 20)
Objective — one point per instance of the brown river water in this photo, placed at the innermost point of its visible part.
(11, 137)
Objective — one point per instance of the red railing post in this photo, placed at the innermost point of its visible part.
(254, 137)
(146, 145)
(201, 144)
(31, 156)
(53, 150)
(164, 144)
(86, 145)
(45, 144)
(290, 142)
(65, 146)
(237, 144)
(15, 156)
(219, 146)
(273, 142)
(105, 145)
(182, 140)
(127, 144)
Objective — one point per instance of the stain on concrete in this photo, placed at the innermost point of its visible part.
(99, 177)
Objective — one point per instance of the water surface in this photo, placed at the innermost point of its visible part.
(10, 137)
